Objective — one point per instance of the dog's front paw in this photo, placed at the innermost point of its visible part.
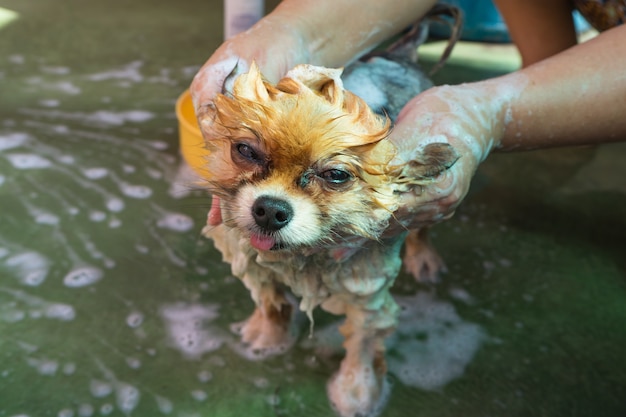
(358, 392)
(266, 333)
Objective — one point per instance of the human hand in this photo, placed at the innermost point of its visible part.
(469, 117)
(276, 44)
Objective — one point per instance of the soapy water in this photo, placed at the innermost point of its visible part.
(86, 217)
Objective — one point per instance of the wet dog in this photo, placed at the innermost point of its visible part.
(307, 188)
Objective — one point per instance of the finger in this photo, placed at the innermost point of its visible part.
(209, 80)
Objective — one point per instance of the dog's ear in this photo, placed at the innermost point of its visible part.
(325, 82)
(251, 85)
(434, 159)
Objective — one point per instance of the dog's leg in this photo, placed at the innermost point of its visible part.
(420, 257)
(267, 329)
(357, 389)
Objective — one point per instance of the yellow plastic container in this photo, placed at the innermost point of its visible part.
(192, 144)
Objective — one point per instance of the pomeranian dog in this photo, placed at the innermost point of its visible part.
(302, 169)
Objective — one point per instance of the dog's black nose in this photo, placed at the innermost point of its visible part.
(271, 214)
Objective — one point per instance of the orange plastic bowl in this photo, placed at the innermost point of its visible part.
(192, 144)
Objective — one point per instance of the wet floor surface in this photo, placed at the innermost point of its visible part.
(111, 303)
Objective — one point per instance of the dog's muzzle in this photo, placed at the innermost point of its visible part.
(271, 214)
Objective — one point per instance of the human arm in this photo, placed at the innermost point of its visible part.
(577, 97)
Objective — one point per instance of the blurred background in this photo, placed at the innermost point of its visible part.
(112, 304)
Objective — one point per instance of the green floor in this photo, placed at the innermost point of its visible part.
(112, 304)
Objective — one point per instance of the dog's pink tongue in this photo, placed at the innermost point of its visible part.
(262, 242)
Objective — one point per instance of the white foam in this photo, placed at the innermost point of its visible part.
(115, 204)
(133, 363)
(100, 389)
(82, 277)
(97, 216)
(46, 367)
(49, 103)
(28, 161)
(13, 140)
(134, 319)
(95, 173)
(436, 343)
(129, 72)
(189, 330)
(55, 70)
(30, 267)
(176, 222)
(60, 311)
(164, 405)
(199, 395)
(127, 397)
(119, 118)
(44, 217)
(135, 191)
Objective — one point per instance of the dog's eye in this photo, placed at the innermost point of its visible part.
(335, 176)
(249, 153)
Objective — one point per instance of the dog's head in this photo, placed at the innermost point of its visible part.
(302, 163)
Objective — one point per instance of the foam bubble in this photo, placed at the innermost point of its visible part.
(135, 191)
(47, 367)
(199, 395)
(165, 405)
(82, 277)
(13, 140)
(176, 222)
(100, 389)
(44, 217)
(436, 344)
(133, 363)
(59, 311)
(188, 329)
(134, 319)
(119, 118)
(49, 103)
(95, 173)
(30, 267)
(127, 397)
(115, 204)
(28, 161)
(97, 216)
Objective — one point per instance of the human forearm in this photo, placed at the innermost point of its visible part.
(340, 30)
(574, 98)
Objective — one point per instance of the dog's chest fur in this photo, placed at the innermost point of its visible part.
(315, 276)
